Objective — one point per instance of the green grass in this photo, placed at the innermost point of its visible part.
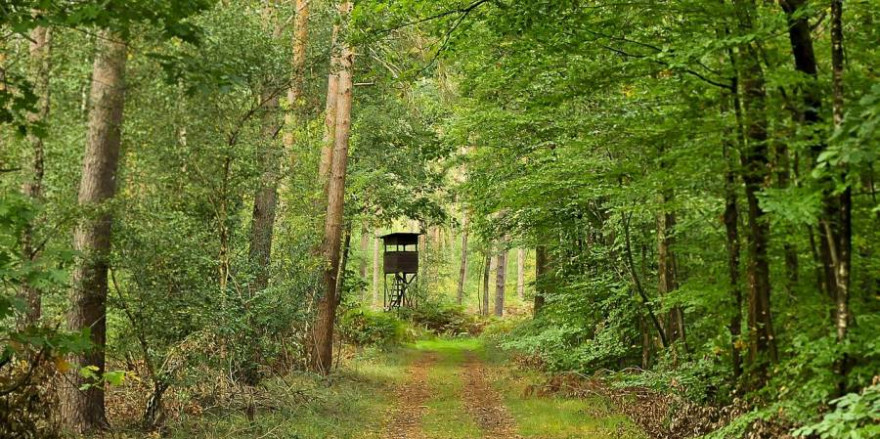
(452, 347)
(354, 402)
(556, 417)
(446, 417)
(351, 405)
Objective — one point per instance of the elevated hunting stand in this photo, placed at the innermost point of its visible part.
(401, 264)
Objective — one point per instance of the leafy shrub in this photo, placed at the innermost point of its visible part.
(855, 416)
(364, 327)
(444, 319)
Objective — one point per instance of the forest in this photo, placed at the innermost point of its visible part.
(444, 219)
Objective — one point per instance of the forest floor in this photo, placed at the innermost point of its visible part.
(434, 389)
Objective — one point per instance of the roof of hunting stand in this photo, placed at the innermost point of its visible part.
(401, 238)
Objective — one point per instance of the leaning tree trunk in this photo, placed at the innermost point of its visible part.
(462, 270)
(500, 278)
(762, 348)
(83, 410)
(33, 189)
(322, 355)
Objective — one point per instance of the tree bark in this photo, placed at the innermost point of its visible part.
(266, 196)
(500, 278)
(39, 75)
(762, 348)
(521, 273)
(488, 262)
(843, 251)
(542, 271)
(376, 269)
(330, 111)
(667, 282)
(83, 410)
(462, 271)
(322, 355)
(362, 264)
(295, 103)
(343, 265)
(801, 42)
(731, 225)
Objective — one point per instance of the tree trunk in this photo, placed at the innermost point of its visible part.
(500, 278)
(266, 196)
(521, 273)
(376, 269)
(364, 248)
(297, 80)
(488, 262)
(343, 265)
(462, 271)
(330, 110)
(731, 224)
(83, 410)
(542, 271)
(667, 282)
(801, 41)
(322, 355)
(39, 75)
(843, 253)
(755, 175)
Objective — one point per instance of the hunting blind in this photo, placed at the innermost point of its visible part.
(401, 268)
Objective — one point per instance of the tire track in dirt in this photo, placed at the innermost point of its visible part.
(484, 403)
(411, 396)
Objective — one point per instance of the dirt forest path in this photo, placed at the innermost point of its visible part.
(410, 399)
(452, 390)
(484, 403)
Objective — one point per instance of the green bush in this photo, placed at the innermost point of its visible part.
(364, 327)
(856, 416)
(444, 319)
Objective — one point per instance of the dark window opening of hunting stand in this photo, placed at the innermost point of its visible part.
(401, 268)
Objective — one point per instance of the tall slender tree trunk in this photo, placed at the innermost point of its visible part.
(376, 267)
(296, 106)
(322, 355)
(843, 251)
(83, 410)
(762, 349)
(500, 278)
(362, 264)
(266, 196)
(801, 42)
(330, 111)
(667, 270)
(33, 189)
(731, 225)
(542, 270)
(488, 263)
(343, 265)
(462, 270)
(521, 273)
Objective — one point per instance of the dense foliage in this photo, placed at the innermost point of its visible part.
(695, 180)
